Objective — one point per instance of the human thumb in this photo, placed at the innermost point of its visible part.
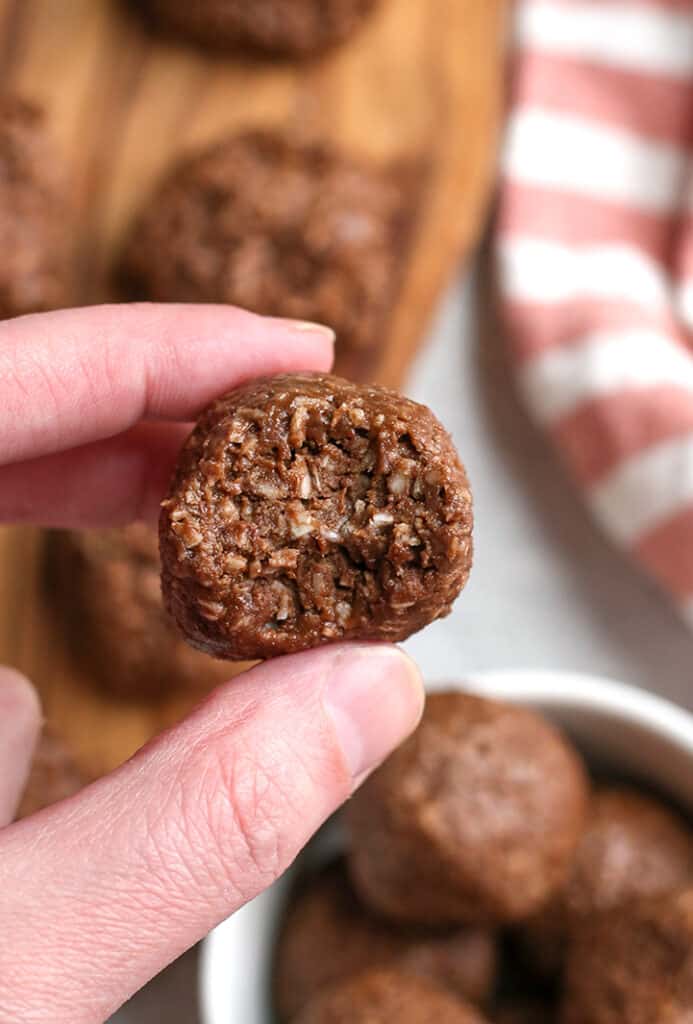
(103, 890)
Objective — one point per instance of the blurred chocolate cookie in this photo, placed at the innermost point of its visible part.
(633, 846)
(293, 28)
(387, 997)
(283, 229)
(53, 775)
(36, 267)
(327, 936)
(475, 818)
(633, 965)
(105, 587)
(306, 509)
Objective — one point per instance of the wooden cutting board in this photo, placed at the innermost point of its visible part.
(423, 79)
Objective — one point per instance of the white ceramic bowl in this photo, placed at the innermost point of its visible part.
(626, 730)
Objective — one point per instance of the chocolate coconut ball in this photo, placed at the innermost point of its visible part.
(387, 997)
(35, 272)
(475, 818)
(293, 28)
(633, 846)
(306, 509)
(279, 228)
(105, 586)
(53, 775)
(633, 965)
(328, 936)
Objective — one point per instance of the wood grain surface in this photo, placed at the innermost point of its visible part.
(422, 80)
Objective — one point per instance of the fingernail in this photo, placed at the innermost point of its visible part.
(375, 698)
(308, 326)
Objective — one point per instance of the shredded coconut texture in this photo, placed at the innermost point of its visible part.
(306, 509)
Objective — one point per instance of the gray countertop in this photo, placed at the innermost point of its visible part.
(547, 590)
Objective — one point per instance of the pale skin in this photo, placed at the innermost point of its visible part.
(100, 892)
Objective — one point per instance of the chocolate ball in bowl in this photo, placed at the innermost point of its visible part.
(633, 846)
(306, 509)
(286, 229)
(475, 818)
(633, 965)
(327, 936)
(387, 997)
(289, 28)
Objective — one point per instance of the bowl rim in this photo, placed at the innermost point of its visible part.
(542, 688)
(589, 693)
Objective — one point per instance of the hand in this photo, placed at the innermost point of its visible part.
(100, 892)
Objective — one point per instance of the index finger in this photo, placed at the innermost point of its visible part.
(80, 375)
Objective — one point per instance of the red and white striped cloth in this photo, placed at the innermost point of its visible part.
(595, 251)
